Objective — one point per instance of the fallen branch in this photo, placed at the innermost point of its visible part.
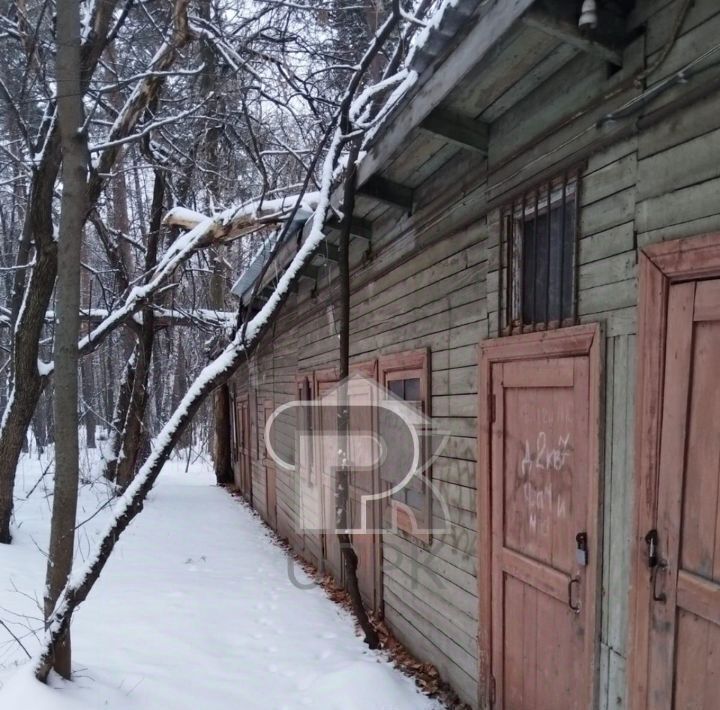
(212, 376)
(246, 218)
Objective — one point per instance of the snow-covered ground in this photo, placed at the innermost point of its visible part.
(195, 610)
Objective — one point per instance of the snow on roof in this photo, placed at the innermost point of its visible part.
(243, 286)
(446, 19)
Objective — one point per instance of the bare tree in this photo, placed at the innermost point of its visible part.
(73, 143)
(222, 367)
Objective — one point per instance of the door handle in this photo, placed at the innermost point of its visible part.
(655, 563)
(575, 607)
(662, 597)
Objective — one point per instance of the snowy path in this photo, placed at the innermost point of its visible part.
(196, 611)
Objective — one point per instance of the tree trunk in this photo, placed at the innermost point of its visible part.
(41, 424)
(134, 430)
(221, 400)
(72, 216)
(27, 382)
(179, 386)
(120, 411)
(108, 385)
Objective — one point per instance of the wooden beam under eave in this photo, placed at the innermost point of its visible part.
(391, 193)
(309, 271)
(493, 22)
(457, 129)
(567, 31)
(360, 228)
(329, 252)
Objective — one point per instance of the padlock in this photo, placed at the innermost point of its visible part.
(581, 553)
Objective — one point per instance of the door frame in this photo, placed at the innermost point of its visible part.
(660, 266)
(563, 342)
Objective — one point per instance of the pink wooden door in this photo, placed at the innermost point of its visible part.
(242, 419)
(326, 457)
(270, 479)
(684, 653)
(363, 482)
(545, 550)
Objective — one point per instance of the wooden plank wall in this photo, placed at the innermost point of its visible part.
(659, 183)
(429, 594)
(434, 279)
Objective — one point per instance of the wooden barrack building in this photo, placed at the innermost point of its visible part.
(536, 258)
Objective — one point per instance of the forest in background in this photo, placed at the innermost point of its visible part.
(115, 116)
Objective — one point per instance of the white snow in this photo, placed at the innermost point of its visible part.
(195, 609)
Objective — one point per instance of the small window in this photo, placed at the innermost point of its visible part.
(407, 377)
(539, 243)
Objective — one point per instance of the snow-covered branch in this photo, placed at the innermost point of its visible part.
(214, 374)
(245, 218)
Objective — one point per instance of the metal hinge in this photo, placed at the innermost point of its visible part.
(493, 696)
(492, 407)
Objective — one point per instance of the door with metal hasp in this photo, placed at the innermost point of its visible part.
(542, 493)
(683, 546)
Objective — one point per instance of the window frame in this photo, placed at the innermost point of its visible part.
(406, 365)
(523, 208)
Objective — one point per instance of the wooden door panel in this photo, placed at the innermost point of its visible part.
(700, 538)
(361, 394)
(707, 301)
(697, 672)
(325, 456)
(270, 475)
(544, 491)
(271, 496)
(536, 575)
(684, 637)
(243, 471)
(541, 498)
(540, 645)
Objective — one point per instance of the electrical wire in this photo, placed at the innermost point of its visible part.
(677, 26)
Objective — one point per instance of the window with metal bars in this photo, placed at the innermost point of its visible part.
(540, 243)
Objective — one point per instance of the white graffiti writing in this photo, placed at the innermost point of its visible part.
(545, 457)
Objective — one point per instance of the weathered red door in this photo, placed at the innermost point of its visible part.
(326, 456)
(544, 545)
(243, 475)
(684, 633)
(270, 477)
(363, 482)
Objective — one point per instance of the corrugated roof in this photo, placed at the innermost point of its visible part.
(247, 278)
(242, 288)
